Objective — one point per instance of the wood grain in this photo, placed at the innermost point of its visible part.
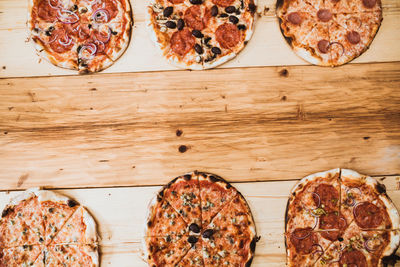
(120, 213)
(267, 47)
(258, 124)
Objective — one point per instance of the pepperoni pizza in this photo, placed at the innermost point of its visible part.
(199, 219)
(340, 218)
(200, 34)
(41, 228)
(329, 32)
(85, 35)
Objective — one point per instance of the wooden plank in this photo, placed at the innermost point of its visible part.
(120, 213)
(120, 129)
(267, 48)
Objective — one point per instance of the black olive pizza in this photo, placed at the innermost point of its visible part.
(85, 35)
(340, 218)
(41, 228)
(200, 34)
(329, 32)
(199, 219)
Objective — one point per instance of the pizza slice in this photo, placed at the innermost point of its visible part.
(19, 256)
(54, 42)
(14, 231)
(169, 250)
(183, 194)
(315, 196)
(75, 255)
(365, 200)
(315, 47)
(57, 209)
(79, 228)
(304, 246)
(163, 220)
(194, 256)
(234, 219)
(215, 193)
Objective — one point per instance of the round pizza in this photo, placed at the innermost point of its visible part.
(41, 228)
(329, 32)
(199, 219)
(84, 35)
(200, 34)
(340, 218)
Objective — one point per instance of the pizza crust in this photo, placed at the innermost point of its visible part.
(91, 227)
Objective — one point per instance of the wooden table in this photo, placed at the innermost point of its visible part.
(262, 121)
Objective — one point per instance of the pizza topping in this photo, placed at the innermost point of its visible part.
(324, 15)
(192, 239)
(180, 24)
(230, 9)
(353, 258)
(233, 19)
(46, 11)
(214, 11)
(328, 195)
(216, 50)
(197, 34)
(198, 49)
(108, 5)
(66, 16)
(304, 240)
(294, 18)
(194, 228)
(353, 37)
(367, 215)
(373, 244)
(369, 3)
(332, 221)
(196, 17)
(176, 1)
(227, 35)
(87, 51)
(208, 233)
(168, 11)
(101, 16)
(65, 41)
(223, 3)
(170, 24)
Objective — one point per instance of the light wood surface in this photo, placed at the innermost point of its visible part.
(267, 47)
(120, 213)
(256, 124)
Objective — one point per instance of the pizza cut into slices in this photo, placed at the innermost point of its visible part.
(183, 194)
(163, 220)
(200, 34)
(19, 256)
(85, 35)
(37, 220)
(215, 194)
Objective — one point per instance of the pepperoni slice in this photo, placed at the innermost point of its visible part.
(369, 3)
(197, 17)
(182, 42)
(328, 195)
(223, 3)
(324, 15)
(61, 44)
(227, 35)
(304, 240)
(332, 221)
(109, 5)
(46, 12)
(323, 46)
(367, 215)
(294, 18)
(353, 37)
(353, 258)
